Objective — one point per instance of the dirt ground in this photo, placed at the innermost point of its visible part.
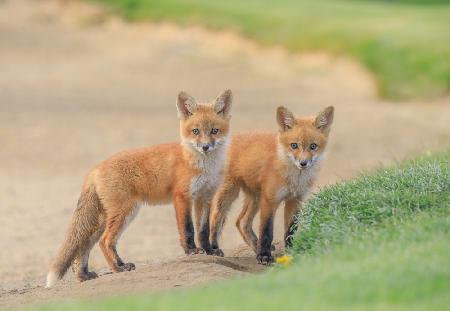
(77, 85)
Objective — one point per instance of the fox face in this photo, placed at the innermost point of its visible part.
(204, 128)
(303, 140)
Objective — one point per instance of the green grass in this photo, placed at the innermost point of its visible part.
(380, 242)
(340, 211)
(406, 43)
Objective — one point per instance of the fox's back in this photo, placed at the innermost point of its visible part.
(250, 156)
(139, 172)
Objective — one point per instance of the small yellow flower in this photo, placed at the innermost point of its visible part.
(284, 260)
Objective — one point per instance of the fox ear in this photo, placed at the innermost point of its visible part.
(324, 119)
(222, 104)
(186, 105)
(285, 118)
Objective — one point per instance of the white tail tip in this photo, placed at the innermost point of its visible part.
(52, 278)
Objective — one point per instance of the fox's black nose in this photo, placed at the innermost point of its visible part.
(303, 163)
(205, 147)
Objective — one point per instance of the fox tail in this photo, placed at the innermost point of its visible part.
(84, 222)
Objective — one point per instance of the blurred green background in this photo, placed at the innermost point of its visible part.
(405, 43)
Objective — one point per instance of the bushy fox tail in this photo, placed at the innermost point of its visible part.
(85, 222)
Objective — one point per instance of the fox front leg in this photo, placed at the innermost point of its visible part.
(183, 213)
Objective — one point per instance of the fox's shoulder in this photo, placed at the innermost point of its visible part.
(261, 139)
(255, 135)
(256, 148)
(251, 153)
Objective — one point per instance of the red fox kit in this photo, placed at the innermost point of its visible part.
(185, 173)
(270, 169)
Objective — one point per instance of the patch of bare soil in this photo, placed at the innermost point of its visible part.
(77, 85)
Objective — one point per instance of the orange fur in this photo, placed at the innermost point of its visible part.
(184, 173)
(267, 167)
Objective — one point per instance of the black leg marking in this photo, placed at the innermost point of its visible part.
(215, 249)
(189, 236)
(204, 237)
(265, 243)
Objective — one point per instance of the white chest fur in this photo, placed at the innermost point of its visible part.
(211, 169)
(298, 184)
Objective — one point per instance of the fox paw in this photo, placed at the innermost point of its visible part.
(195, 251)
(207, 250)
(129, 266)
(264, 259)
(87, 276)
(217, 252)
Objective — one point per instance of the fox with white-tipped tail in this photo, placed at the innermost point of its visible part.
(185, 173)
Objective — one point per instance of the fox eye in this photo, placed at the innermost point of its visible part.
(214, 131)
(294, 146)
(313, 146)
(196, 131)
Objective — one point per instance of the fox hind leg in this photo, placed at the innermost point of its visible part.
(80, 265)
(80, 268)
(115, 224)
(244, 222)
(222, 201)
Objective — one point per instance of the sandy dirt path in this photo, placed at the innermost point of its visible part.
(77, 85)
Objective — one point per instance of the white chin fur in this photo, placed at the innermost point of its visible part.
(194, 147)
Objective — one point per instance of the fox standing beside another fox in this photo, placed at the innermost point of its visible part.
(270, 169)
(183, 173)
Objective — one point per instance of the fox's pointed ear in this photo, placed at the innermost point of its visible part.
(324, 119)
(186, 105)
(222, 104)
(285, 118)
